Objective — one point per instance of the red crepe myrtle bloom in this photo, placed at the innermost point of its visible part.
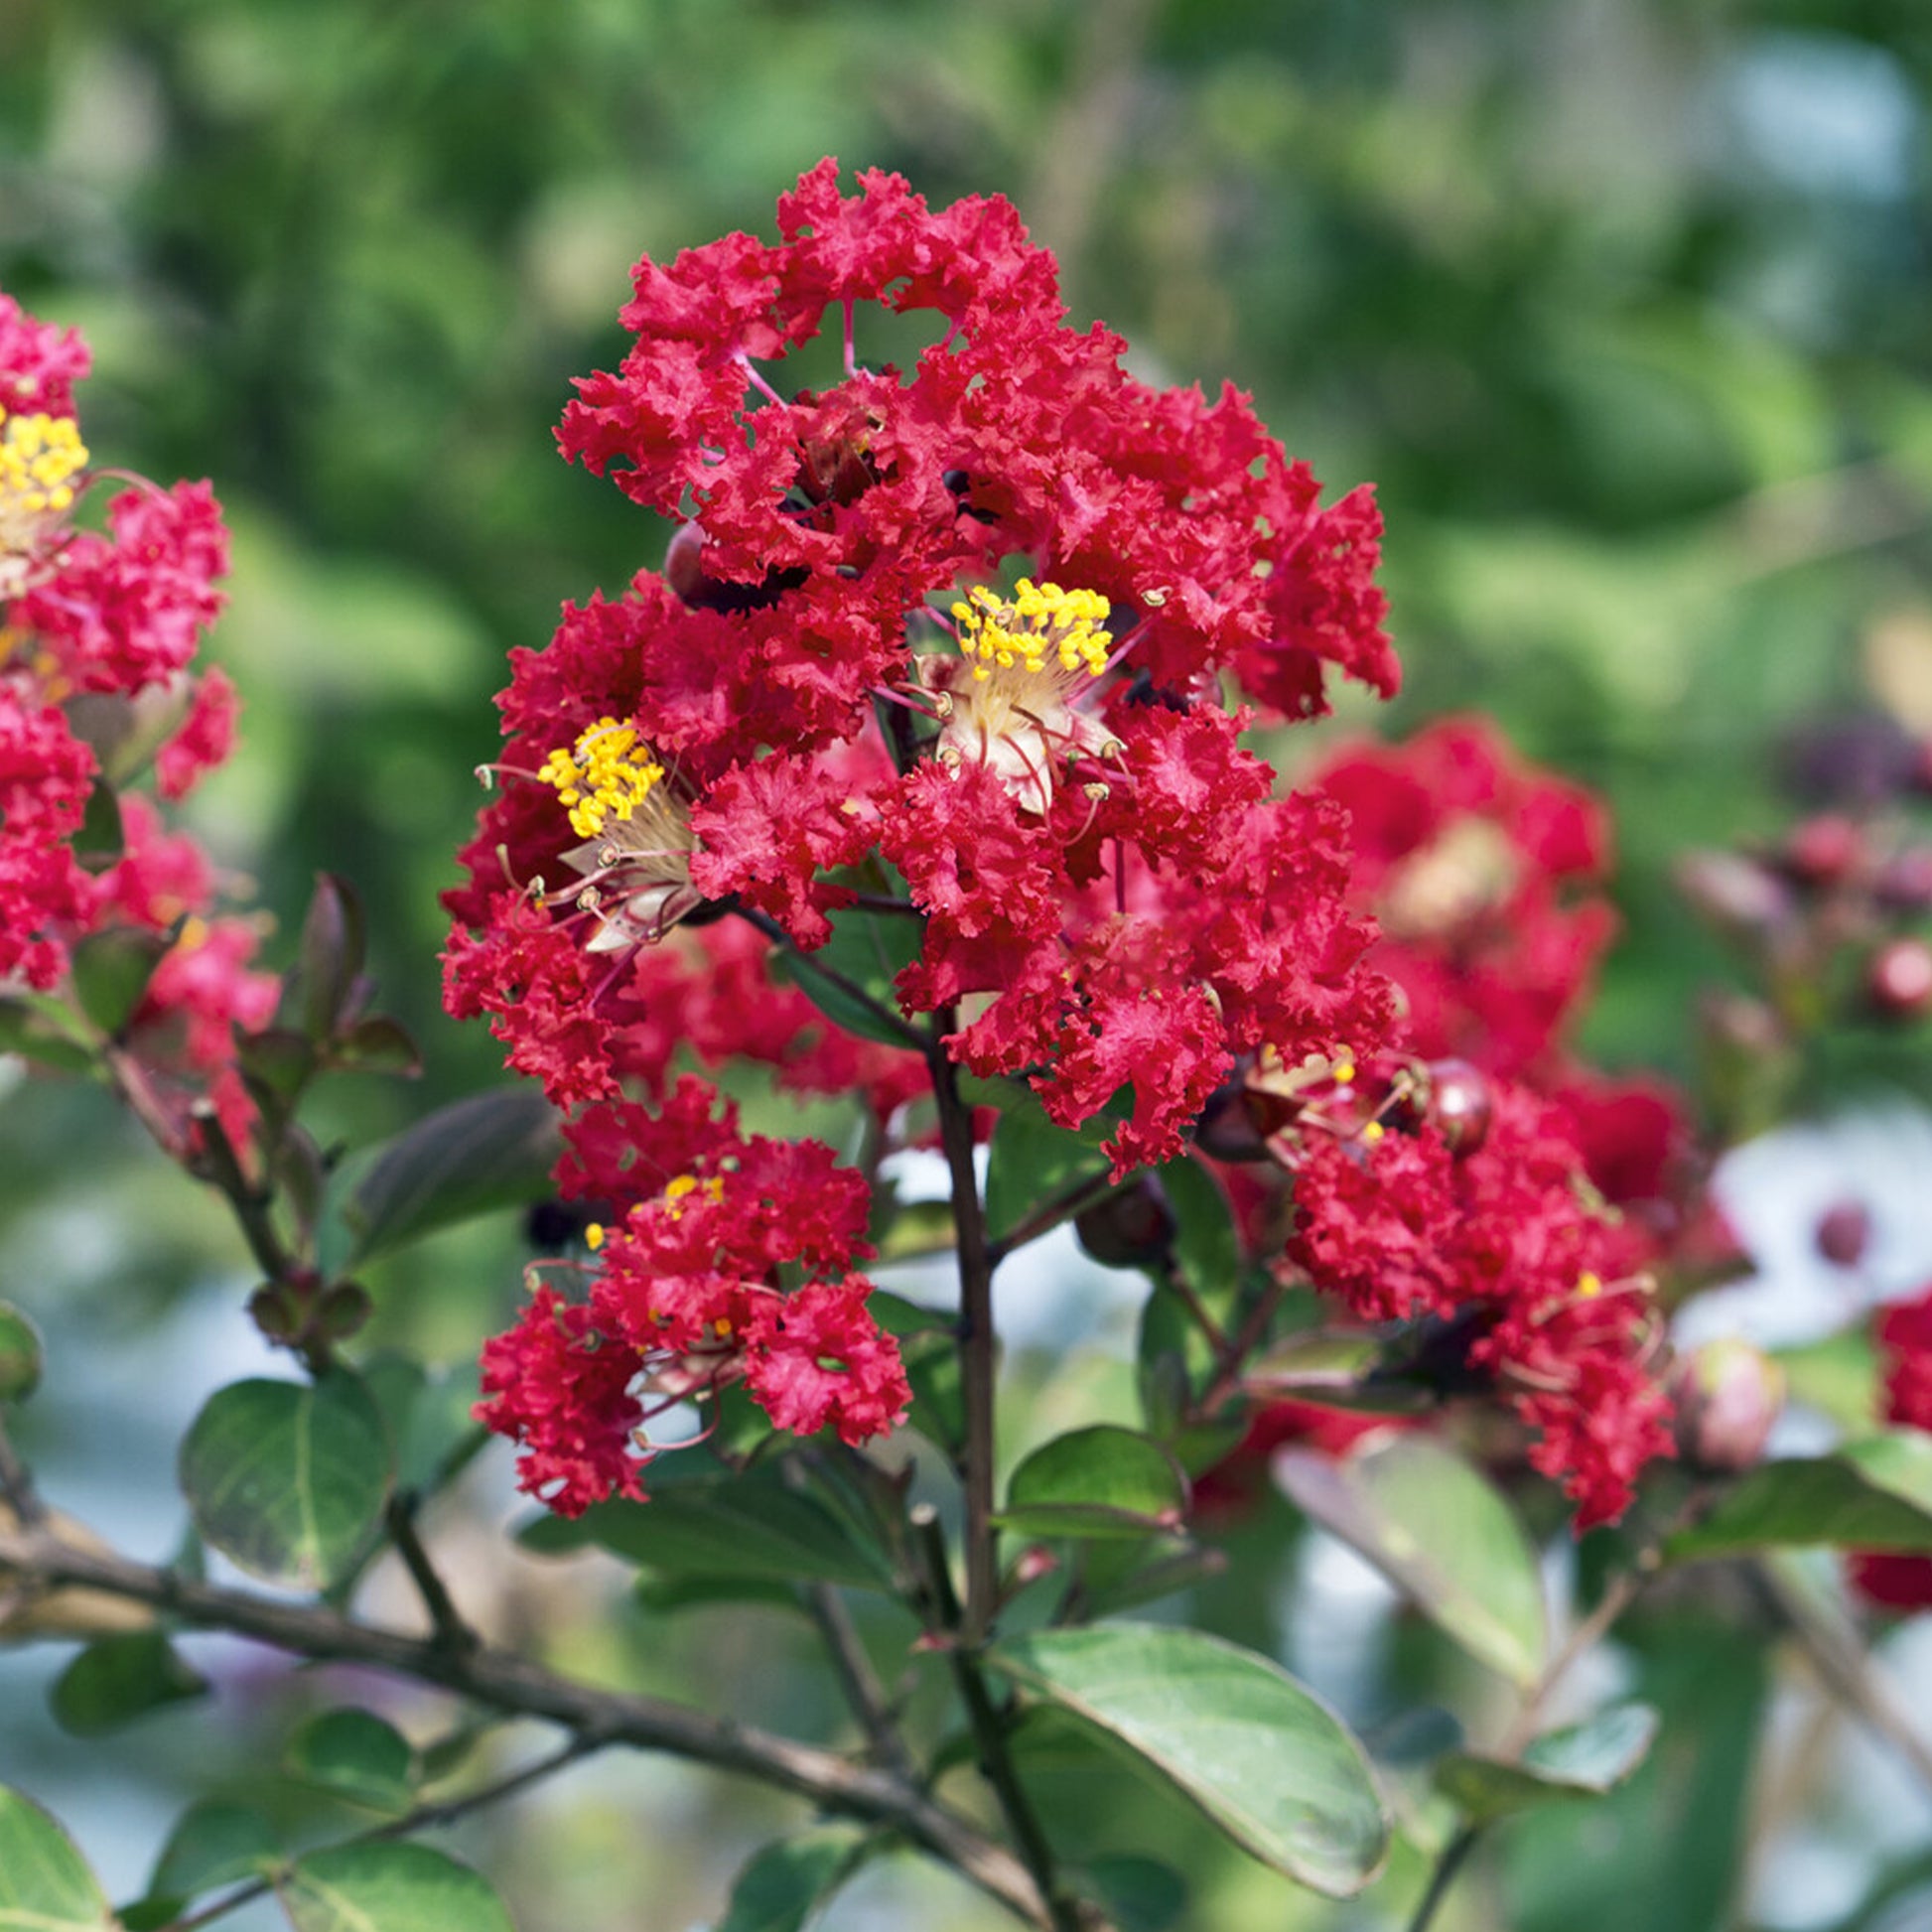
(112, 618)
(968, 619)
(688, 1297)
(1504, 1238)
(1903, 1583)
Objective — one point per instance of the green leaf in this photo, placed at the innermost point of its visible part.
(288, 1480)
(1033, 1161)
(112, 971)
(101, 842)
(1439, 1530)
(1261, 1757)
(1579, 1762)
(390, 1887)
(356, 1755)
(1838, 1376)
(1206, 1242)
(118, 1679)
(866, 950)
(45, 1883)
(1137, 1894)
(21, 1356)
(214, 1845)
(493, 1150)
(41, 1029)
(1872, 1494)
(429, 1419)
(1097, 1482)
(781, 1887)
(747, 1526)
(929, 1351)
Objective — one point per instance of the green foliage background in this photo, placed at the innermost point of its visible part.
(1623, 304)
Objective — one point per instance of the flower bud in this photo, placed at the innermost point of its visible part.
(1035, 1561)
(1905, 881)
(1736, 895)
(20, 1356)
(342, 1311)
(1842, 1233)
(1458, 1104)
(1130, 1228)
(1227, 1129)
(1898, 979)
(1824, 851)
(684, 563)
(1728, 1396)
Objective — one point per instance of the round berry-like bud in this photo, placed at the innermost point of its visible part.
(277, 1312)
(1824, 851)
(1905, 881)
(1728, 1396)
(684, 563)
(1842, 1233)
(1228, 1127)
(1898, 979)
(20, 1356)
(1458, 1104)
(1130, 1228)
(1736, 894)
(342, 1311)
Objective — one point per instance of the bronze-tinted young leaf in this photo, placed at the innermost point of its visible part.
(287, 1478)
(99, 843)
(44, 1883)
(386, 1886)
(322, 988)
(1100, 1481)
(495, 1150)
(1581, 1761)
(1871, 1494)
(1205, 1243)
(120, 1678)
(1441, 1532)
(377, 1045)
(1264, 1758)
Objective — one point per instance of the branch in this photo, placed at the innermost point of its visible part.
(857, 1677)
(446, 1620)
(1448, 1865)
(805, 963)
(512, 1682)
(975, 1345)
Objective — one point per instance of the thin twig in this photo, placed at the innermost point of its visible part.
(1844, 1669)
(424, 1818)
(1453, 1854)
(507, 1682)
(975, 1345)
(1048, 1216)
(857, 1677)
(809, 965)
(221, 1166)
(1235, 1351)
(444, 1618)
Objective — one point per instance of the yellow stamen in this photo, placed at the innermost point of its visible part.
(594, 1236)
(1588, 1285)
(1040, 621)
(607, 775)
(40, 456)
(1373, 1132)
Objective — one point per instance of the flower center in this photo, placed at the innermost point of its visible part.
(1041, 622)
(40, 456)
(607, 775)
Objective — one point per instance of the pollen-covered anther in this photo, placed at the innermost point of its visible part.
(608, 774)
(41, 456)
(1040, 621)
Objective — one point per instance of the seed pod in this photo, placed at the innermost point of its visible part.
(1133, 1227)
(1458, 1104)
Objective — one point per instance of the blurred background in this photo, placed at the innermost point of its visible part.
(1623, 304)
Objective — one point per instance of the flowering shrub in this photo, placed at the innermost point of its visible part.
(928, 776)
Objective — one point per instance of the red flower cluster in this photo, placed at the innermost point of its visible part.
(1903, 1583)
(98, 631)
(1476, 870)
(952, 634)
(1501, 1238)
(689, 1299)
